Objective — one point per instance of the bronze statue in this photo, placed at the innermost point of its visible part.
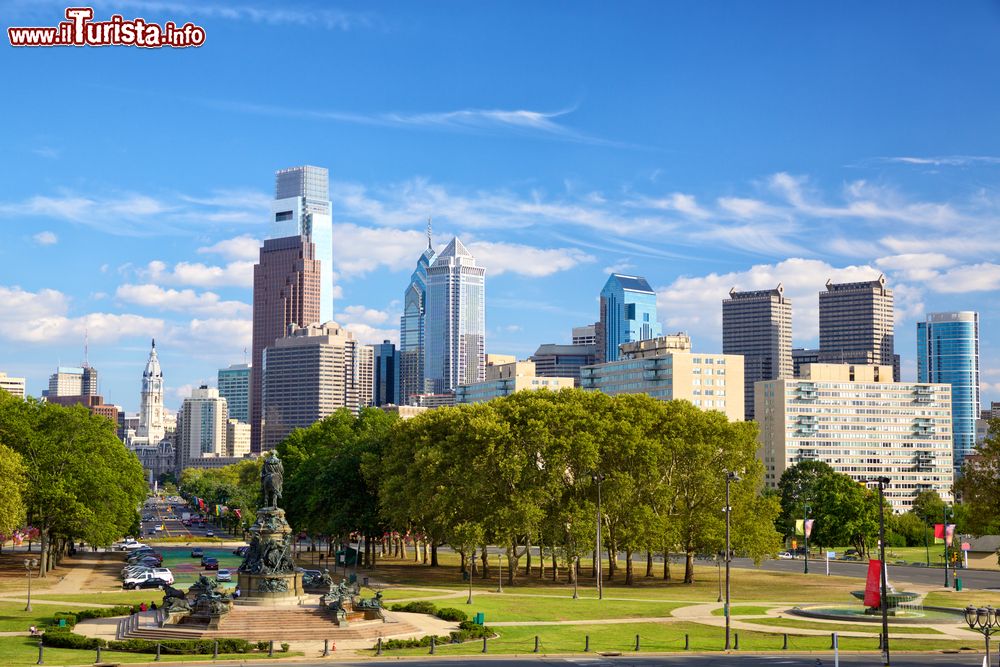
(272, 475)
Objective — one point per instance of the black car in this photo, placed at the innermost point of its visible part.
(197, 552)
(152, 582)
(240, 551)
(210, 563)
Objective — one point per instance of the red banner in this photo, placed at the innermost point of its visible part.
(873, 586)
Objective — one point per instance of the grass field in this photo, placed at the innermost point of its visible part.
(666, 637)
(874, 628)
(13, 617)
(741, 610)
(17, 651)
(514, 607)
(963, 599)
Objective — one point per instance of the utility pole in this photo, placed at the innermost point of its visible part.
(805, 533)
(730, 477)
(946, 554)
(882, 483)
(599, 477)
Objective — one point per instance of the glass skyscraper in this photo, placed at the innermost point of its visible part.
(948, 352)
(455, 324)
(411, 328)
(628, 313)
(386, 368)
(301, 207)
(234, 386)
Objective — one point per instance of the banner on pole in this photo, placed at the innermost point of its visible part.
(949, 534)
(873, 584)
(939, 533)
(809, 527)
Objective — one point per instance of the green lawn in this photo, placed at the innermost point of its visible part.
(13, 617)
(108, 597)
(874, 628)
(963, 599)
(666, 637)
(514, 607)
(16, 651)
(741, 610)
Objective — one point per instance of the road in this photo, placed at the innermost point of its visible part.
(716, 660)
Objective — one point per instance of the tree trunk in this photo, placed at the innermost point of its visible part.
(434, 553)
(472, 563)
(689, 568)
(512, 559)
(629, 573)
(666, 564)
(461, 554)
(416, 550)
(43, 559)
(374, 555)
(649, 562)
(485, 558)
(612, 564)
(573, 571)
(593, 564)
(555, 566)
(527, 560)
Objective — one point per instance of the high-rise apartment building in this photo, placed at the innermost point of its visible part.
(758, 325)
(552, 360)
(301, 207)
(667, 369)
(628, 313)
(455, 321)
(802, 356)
(856, 324)
(13, 386)
(860, 422)
(412, 327)
(73, 381)
(311, 373)
(386, 381)
(286, 291)
(948, 352)
(234, 386)
(202, 427)
(505, 379)
(585, 335)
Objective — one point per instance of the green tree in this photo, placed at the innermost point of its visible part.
(845, 512)
(979, 485)
(928, 506)
(796, 488)
(12, 487)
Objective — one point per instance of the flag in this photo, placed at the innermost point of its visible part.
(949, 534)
(809, 527)
(238, 513)
(799, 528)
(201, 503)
(873, 585)
(939, 533)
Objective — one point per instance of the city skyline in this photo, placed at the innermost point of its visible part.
(663, 155)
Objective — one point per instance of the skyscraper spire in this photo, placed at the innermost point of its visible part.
(429, 244)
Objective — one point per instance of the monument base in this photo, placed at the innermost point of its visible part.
(270, 588)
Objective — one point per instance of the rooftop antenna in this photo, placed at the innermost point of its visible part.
(429, 245)
(86, 348)
(244, 356)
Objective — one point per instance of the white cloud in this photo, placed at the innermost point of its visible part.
(233, 274)
(359, 250)
(243, 247)
(969, 278)
(46, 238)
(945, 160)
(47, 152)
(362, 314)
(500, 258)
(370, 335)
(43, 317)
(189, 301)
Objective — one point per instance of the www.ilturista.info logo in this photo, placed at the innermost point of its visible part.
(80, 30)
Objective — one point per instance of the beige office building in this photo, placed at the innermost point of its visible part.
(667, 369)
(13, 386)
(309, 374)
(505, 379)
(201, 426)
(860, 422)
(237, 438)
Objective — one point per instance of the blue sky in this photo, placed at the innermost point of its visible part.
(702, 145)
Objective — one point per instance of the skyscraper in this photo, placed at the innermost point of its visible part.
(234, 386)
(628, 313)
(856, 324)
(302, 207)
(386, 381)
(309, 374)
(948, 352)
(13, 385)
(455, 321)
(758, 325)
(412, 325)
(73, 381)
(204, 418)
(151, 429)
(286, 291)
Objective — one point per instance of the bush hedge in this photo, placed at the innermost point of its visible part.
(65, 638)
(425, 607)
(466, 632)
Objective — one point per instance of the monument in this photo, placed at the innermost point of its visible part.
(267, 574)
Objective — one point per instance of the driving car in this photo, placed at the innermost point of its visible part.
(785, 556)
(210, 563)
(223, 575)
(197, 552)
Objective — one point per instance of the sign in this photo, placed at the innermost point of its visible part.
(873, 584)
(966, 546)
(831, 554)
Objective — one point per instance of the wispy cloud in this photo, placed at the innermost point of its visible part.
(943, 160)
(46, 238)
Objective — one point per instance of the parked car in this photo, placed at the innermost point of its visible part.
(240, 551)
(152, 582)
(209, 533)
(164, 573)
(785, 556)
(147, 556)
(134, 581)
(197, 552)
(134, 570)
(210, 563)
(223, 575)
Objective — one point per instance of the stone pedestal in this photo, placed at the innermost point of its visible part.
(267, 574)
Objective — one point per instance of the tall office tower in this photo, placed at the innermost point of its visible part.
(234, 386)
(455, 321)
(585, 335)
(73, 381)
(948, 352)
(628, 313)
(412, 327)
(202, 433)
(301, 207)
(802, 356)
(758, 325)
(13, 386)
(386, 381)
(311, 373)
(151, 429)
(285, 292)
(856, 324)
(860, 422)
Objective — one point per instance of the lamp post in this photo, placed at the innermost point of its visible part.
(805, 534)
(946, 554)
(500, 577)
(882, 483)
(599, 477)
(984, 620)
(730, 477)
(29, 565)
(718, 570)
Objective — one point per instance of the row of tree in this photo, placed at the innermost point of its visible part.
(65, 472)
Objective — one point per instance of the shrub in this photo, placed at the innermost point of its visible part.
(64, 638)
(262, 646)
(284, 647)
(418, 607)
(451, 614)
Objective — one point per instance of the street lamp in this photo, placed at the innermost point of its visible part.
(598, 478)
(984, 620)
(29, 565)
(946, 554)
(882, 483)
(805, 533)
(730, 477)
(718, 570)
